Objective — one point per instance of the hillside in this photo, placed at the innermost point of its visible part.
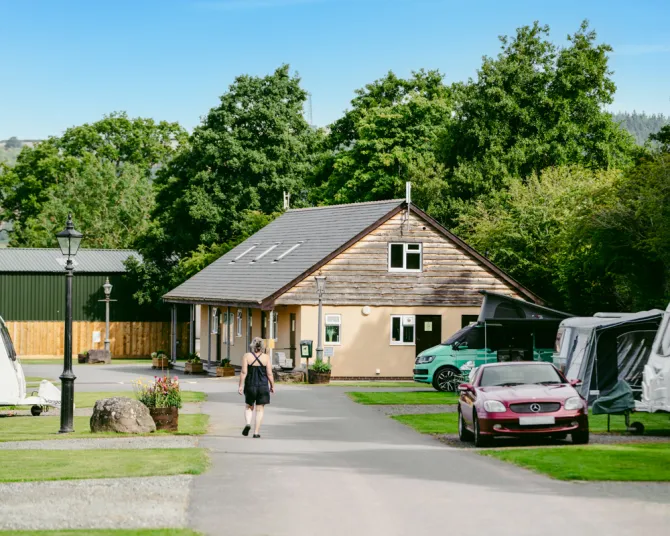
(641, 125)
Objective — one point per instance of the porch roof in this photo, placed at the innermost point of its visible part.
(281, 253)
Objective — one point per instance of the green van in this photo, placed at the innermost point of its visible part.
(489, 341)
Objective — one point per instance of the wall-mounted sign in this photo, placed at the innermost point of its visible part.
(428, 326)
(329, 351)
(96, 337)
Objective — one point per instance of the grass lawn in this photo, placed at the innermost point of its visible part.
(29, 465)
(412, 397)
(654, 423)
(381, 384)
(431, 423)
(629, 462)
(33, 428)
(87, 400)
(101, 532)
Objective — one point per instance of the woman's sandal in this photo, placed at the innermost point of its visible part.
(257, 435)
(245, 432)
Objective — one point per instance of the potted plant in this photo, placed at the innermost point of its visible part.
(163, 398)
(159, 360)
(225, 369)
(82, 358)
(193, 365)
(319, 372)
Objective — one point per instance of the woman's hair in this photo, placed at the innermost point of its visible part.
(257, 345)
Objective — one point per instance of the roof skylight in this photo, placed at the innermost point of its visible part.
(266, 252)
(243, 254)
(292, 248)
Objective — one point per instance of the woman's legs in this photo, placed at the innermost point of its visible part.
(248, 412)
(259, 418)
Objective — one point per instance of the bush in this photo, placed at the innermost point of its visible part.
(161, 393)
(321, 367)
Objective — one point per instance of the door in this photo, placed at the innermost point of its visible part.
(292, 343)
(428, 332)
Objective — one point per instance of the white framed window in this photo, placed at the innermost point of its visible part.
(404, 257)
(403, 330)
(333, 329)
(239, 323)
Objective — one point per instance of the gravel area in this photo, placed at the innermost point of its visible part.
(595, 439)
(123, 503)
(167, 442)
(413, 409)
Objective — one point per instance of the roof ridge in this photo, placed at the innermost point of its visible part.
(397, 201)
(58, 249)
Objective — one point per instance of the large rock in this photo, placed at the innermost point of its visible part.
(123, 415)
(99, 356)
(291, 376)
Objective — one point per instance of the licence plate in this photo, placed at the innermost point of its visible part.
(530, 421)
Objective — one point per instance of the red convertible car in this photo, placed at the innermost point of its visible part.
(518, 399)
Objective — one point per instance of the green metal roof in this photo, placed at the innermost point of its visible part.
(48, 260)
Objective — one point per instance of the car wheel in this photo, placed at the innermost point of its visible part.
(580, 438)
(560, 437)
(480, 440)
(446, 379)
(464, 434)
(637, 428)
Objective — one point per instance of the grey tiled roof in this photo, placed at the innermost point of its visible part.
(105, 261)
(319, 232)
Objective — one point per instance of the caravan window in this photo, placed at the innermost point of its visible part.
(6, 341)
(577, 353)
(664, 344)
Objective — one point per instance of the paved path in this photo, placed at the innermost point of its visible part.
(328, 466)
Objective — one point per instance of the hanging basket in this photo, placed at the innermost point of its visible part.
(165, 418)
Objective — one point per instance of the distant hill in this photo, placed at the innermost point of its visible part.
(641, 125)
(10, 149)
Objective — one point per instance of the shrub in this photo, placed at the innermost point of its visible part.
(161, 393)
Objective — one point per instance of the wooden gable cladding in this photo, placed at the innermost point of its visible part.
(359, 275)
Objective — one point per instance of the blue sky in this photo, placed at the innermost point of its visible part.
(66, 62)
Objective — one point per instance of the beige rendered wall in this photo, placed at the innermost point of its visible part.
(365, 340)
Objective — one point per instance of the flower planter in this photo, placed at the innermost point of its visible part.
(160, 363)
(193, 368)
(82, 358)
(165, 418)
(224, 372)
(318, 377)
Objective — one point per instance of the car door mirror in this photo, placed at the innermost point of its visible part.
(465, 388)
(576, 382)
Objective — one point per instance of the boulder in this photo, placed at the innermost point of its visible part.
(99, 356)
(123, 415)
(291, 376)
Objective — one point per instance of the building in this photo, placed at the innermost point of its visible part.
(32, 302)
(397, 282)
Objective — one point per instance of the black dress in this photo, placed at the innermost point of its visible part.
(256, 388)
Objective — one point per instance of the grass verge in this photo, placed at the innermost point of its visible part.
(31, 465)
(102, 532)
(431, 423)
(411, 398)
(644, 462)
(654, 423)
(27, 428)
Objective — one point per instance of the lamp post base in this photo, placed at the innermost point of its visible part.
(67, 403)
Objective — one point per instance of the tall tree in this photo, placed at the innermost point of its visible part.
(387, 138)
(534, 106)
(249, 150)
(44, 171)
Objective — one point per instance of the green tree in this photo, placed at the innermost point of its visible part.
(111, 205)
(13, 143)
(387, 138)
(250, 149)
(116, 139)
(534, 106)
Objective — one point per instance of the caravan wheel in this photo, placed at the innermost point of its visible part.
(36, 411)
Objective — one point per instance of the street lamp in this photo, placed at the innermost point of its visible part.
(107, 288)
(320, 289)
(69, 241)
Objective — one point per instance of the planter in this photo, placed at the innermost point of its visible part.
(82, 358)
(318, 377)
(224, 372)
(193, 368)
(160, 362)
(165, 418)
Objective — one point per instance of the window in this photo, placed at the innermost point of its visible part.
(265, 252)
(239, 322)
(402, 329)
(466, 320)
(243, 254)
(264, 325)
(275, 324)
(405, 257)
(333, 325)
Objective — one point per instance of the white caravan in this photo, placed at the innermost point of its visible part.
(13, 381)
(656, 375)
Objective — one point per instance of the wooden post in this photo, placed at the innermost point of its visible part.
(191, 331)
(228, 326)
(174, 333)
(209, 336)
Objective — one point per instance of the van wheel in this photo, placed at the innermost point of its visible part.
(36, 411)
(464, 434)
(446, 379)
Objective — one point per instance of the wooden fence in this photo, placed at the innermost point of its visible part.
(128, 339)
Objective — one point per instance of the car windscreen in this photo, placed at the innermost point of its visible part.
(519, 374)
(471, 336)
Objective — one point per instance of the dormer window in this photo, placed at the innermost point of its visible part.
(404, 257)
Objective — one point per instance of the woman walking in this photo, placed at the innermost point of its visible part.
(256, 383)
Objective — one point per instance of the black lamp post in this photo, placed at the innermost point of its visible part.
(69, 241)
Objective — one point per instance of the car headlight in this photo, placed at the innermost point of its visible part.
(424, 359)
(574, 403)
(493, 406)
